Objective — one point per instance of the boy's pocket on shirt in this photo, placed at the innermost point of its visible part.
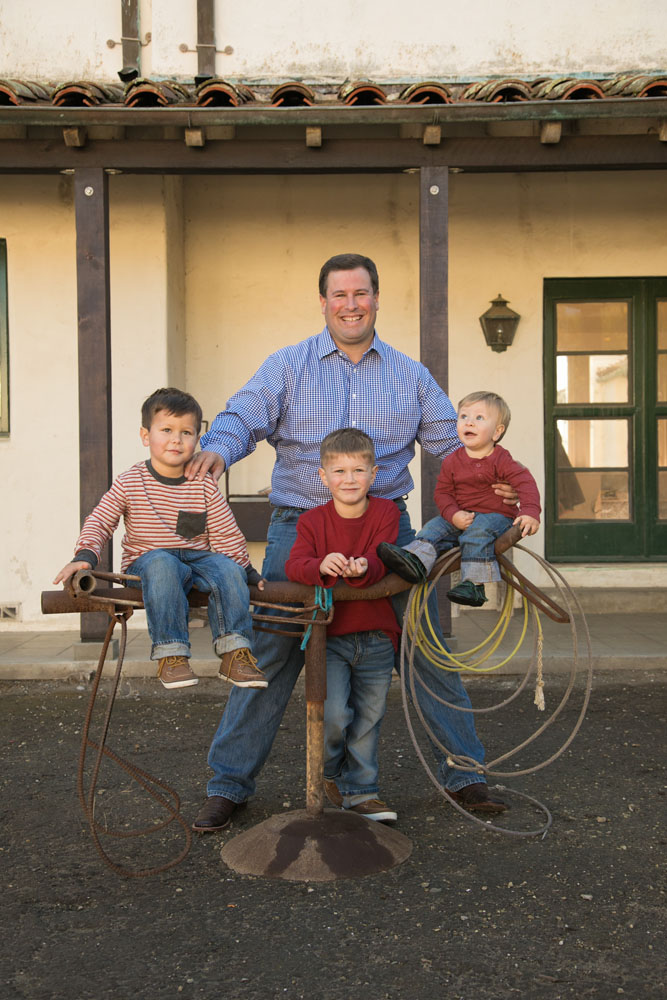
(191, 523)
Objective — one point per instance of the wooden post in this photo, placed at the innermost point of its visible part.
(91, 201)
(316, 692)
(433, 313)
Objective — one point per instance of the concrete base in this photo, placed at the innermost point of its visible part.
(90, 651)
(298, 847)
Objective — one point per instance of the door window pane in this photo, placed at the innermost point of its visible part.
(662, 349)
(592, 327)
(662, 469)
(592, 474)
(593, 378)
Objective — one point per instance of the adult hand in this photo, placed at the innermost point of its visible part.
(70, 569)
(507, 492)
(203, 462)
(463, 519)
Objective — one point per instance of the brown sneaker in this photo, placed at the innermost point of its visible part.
(239, 667)
(332, 793)
(175, 672)
(375, 809)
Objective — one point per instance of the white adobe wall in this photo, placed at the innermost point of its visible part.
(39, 466)
(382, 39)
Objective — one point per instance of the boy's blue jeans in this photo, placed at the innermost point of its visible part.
(478, 560)
(359, 669)
(168, 575)
(252, 717)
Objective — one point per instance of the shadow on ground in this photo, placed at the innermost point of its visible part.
(471, 914)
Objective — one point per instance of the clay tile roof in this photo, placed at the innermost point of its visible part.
(425, 93)
(216, 92)
(361, 92)
(84, 94)
(151, 94)
(22, 92)
(566, 88)
(497, 91)
(292, 95)
(636, 85)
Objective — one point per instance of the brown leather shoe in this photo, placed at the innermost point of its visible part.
(175, 672)
(216, 814)
(239, 667)
(332, 793)
(476, 798)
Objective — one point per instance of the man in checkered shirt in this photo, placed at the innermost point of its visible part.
(344, 376)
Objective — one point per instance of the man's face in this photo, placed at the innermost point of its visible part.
(350, 307)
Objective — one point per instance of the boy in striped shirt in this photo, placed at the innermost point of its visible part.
(179, 534)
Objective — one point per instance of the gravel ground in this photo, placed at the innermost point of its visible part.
(471, 914)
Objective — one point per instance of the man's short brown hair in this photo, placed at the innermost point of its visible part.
(347, 441)
(491, 399)
(348, 262)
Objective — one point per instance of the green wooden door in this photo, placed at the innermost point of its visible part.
(605, 354)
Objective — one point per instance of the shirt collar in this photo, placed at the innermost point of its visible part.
(327, 345)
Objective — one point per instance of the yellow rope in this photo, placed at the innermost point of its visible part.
(436, 653)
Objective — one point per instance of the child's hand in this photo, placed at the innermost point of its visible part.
(260, 584)
(527, 524)
(356, 567)
(70, 569)
(334, 564)
(463, 519)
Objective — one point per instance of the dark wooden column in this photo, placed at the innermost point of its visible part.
(433, 312)
(91, 201)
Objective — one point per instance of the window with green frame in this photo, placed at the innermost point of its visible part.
(4, 343)
(605, 367)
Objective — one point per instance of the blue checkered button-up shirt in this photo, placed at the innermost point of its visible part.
(303, 392)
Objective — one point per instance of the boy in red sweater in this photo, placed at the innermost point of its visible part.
(178, 534)
(339, 540)
(472, 514)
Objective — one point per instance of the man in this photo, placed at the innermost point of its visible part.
(343, 377)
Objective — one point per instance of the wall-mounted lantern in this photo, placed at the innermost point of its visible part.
(499, 324)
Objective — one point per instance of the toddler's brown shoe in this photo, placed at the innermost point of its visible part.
(239, 667)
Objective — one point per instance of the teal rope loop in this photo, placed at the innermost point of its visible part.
(324, 601)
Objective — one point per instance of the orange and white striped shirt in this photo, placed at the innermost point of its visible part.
(161, 513)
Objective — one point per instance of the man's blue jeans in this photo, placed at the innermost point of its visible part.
(252, 717)
(359, 669)
(168, 575)
(478, 561)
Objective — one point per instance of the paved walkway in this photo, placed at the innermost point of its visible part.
(618, 642)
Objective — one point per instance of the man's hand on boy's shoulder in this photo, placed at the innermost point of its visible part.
(203, 462)
(70, 569)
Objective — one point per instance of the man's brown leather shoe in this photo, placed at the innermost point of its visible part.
(476, 798)
(216, 814)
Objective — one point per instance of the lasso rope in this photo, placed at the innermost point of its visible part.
(415, 637)
(323, 600)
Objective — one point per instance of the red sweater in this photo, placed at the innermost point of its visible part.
(464, 483)
(321, 531)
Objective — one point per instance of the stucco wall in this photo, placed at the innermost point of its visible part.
(209, 275)
(385, 39)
